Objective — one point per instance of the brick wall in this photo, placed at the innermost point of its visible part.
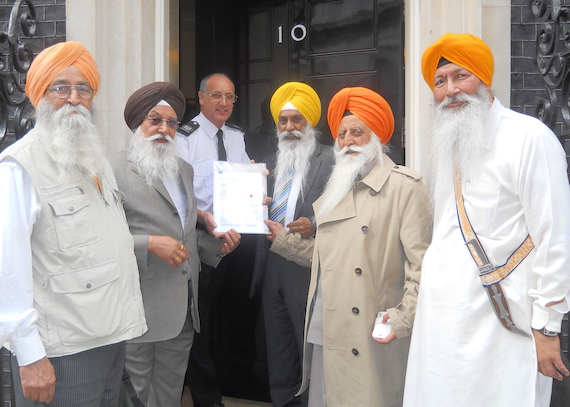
(528, 88)
(526, 82)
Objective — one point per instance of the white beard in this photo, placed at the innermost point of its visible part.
(153, 161)
(347, 169)
(457, 134)
(71, 138)
(295, 154)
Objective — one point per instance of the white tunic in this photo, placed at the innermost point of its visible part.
(460, 355)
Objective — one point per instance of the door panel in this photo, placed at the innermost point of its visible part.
(261, 44)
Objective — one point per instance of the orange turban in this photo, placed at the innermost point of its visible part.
(302, 96)
(464, 50)
(365, 104)
(51, 61)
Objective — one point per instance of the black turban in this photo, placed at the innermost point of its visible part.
(143, 100)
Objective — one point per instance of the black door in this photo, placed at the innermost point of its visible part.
(261, 44)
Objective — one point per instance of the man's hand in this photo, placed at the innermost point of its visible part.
(38, 381)
(391, 336)
(207, 219)
(303, 226)
(229, 242)
(168, 249)
(549, 360)
(274, 228)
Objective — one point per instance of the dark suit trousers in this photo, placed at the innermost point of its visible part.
(201, 376)
(284, 296)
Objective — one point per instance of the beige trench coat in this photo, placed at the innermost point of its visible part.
(368, 252)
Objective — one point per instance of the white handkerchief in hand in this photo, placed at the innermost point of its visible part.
(381, 330)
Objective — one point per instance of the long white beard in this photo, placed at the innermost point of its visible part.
(295, 154)
(70, 136)
(346, 171)
(153, 161)
(457, 134)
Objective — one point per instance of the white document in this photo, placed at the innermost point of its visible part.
(239, 190)
(381, 330)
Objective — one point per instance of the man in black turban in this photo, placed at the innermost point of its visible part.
(161, 212)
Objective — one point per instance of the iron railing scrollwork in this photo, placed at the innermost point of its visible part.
(553, 63)
(16, 111)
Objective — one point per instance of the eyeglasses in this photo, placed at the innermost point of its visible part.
(63, 91)
(157, 121)
(230, 97)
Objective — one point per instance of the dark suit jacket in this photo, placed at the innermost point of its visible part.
(150, 211)
(322, 161)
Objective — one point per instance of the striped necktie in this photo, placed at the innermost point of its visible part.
(279, 205)
(221, 149)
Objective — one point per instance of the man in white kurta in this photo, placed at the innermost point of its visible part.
(460, 353)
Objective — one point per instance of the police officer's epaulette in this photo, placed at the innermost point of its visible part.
(235, 126)
(188, 128)
(407, 172)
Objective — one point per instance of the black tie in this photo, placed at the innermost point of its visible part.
(221, 149)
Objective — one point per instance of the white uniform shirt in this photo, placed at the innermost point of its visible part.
(20, 205)
(200, 149)
(460, 354)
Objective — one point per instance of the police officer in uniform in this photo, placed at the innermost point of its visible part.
(205, 139)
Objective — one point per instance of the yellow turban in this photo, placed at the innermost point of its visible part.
(365, 104)
(302, 96)
(464, 50)
(51, 61)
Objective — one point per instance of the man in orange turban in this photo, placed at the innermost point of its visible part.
(70, 294)
(299, 171)
(498, 180)
(372, 231)
(52, 61)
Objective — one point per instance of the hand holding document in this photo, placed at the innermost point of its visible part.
(239, 190)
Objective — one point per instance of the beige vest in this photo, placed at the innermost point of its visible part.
(85, 277)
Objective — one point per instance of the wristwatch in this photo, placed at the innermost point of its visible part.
(547, 333)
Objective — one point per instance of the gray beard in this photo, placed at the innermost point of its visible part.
(153, 161)
(346, 171)
(71, 138)
(457, 134)
(295, 154)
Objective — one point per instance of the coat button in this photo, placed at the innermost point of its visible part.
(396, 167)
(184, 271)
(358, 271)
(372, 192)
(175, 213)
(364, 229)
(71, 208)
(88, 285)
(355, 351)
(355, 310)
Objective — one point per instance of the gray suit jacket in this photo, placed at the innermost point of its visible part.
(150, 211)
(322, 161)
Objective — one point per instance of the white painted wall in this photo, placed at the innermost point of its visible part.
(134, 43)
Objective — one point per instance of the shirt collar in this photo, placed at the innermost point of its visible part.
(209, 127)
